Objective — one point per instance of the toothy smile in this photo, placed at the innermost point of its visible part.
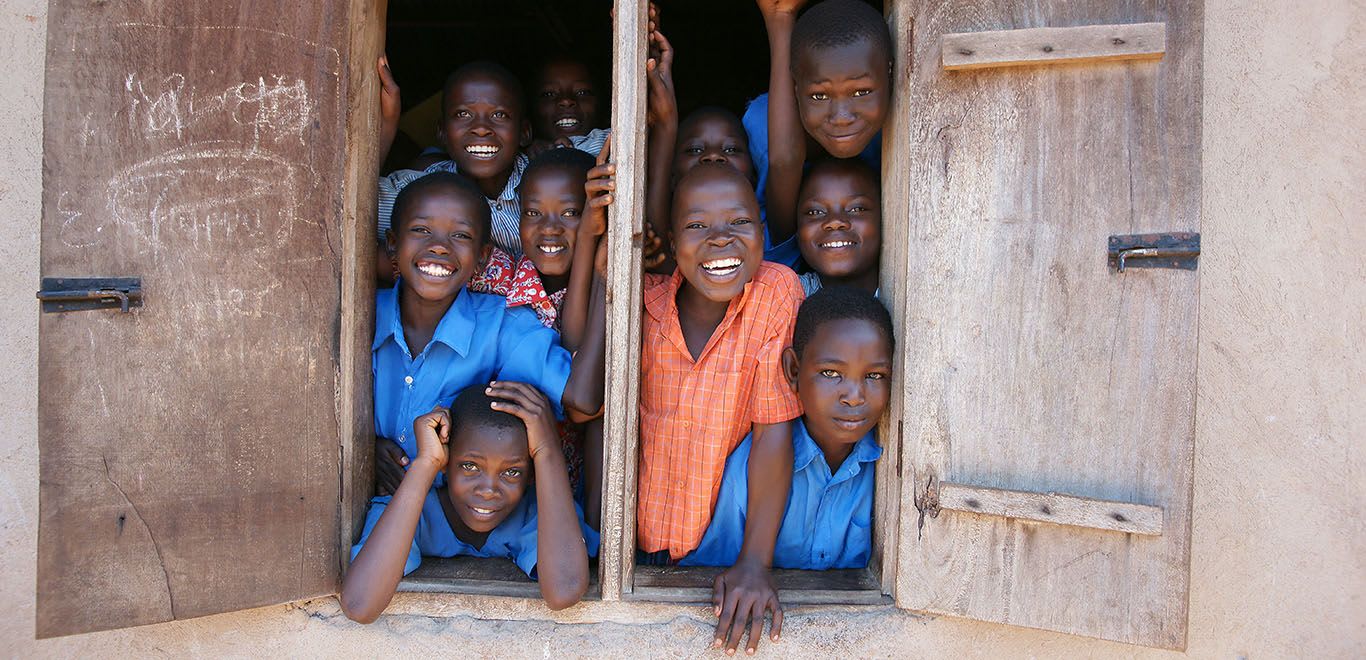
(834, 245)
(722, 267)
(551, 249)
(566, 122)
(434, 270)
(483, 512)
(482, 150)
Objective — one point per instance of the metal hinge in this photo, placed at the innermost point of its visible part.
(70, 294)
(1172, 250)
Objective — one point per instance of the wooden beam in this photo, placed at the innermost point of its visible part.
(1053, 508)
(693, 584)
(1088, 43)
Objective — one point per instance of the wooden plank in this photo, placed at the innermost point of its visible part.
(355, 398)
(624, 234)
(702, 596)
(896, 223)
(693, 584)
(1055, 508)
(479, 577)
(189, 459)
(1031, 367)
(1054, 45)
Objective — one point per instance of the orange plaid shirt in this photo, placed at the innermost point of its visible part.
(694, 414)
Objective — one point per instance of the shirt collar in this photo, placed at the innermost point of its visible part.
(454, 330)
(514, 179)
(661, 302)
(806, 452)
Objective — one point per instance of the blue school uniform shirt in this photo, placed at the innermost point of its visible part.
(479, 339)
(514, 538)
(828, 517)
(755, 122)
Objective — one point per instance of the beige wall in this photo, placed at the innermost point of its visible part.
(1279, 543)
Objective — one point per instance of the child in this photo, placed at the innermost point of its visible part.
(433, 338)
(564, 105)
(713, 334)
(483, 128)
(839, 225)
(829, 80)
(840, 367)
(490, 444)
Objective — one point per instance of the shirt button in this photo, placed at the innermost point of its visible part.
(408, 380)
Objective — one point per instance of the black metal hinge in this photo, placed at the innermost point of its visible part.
(1172, 250)
(71, 294)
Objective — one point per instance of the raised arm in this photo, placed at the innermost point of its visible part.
(561, 556)
(663, 135)
(577, 297)
(374, 574)
(390, 108)
(786, 137)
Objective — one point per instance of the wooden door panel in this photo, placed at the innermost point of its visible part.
(189, 452)
(1031, 366)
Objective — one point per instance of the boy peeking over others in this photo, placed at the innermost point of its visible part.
(840, 366)
(495, 443)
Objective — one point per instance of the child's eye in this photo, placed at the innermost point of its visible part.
(830, 373)
(499, 114)
(862, 92)
(462, 114)
(548, 94)
(513, 472)
(531, 213)
(419, 229)
(731, 150)
(570, 213)
(741, 221)
(694, 225)
(876, 376)
(693, 151)
(464, 236)
(583, 92)
(469, 467)
(819, 96)
(857, 209)
(815, 212)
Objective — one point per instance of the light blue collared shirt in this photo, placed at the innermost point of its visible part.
(828, 517)
(755, 122)
(514, 538)
(480, 338)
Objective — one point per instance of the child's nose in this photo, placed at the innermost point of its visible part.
(714, 157)
(836, 221)
(853, 394)
(567, 101)
(840, 113)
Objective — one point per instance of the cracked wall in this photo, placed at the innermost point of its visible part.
(1278, 544)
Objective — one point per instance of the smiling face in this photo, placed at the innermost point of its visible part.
(552, 207)
(843, 379)
(717, 236)
(839, 219)
(842, 95)
(488, 473)
(438, 241)
(565, 101)
(711, 135)
(482, 126)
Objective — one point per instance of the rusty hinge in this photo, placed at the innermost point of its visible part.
(70, 294)
(1171, 250)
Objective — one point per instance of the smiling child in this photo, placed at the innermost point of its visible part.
(490, 444)
(840, 367)
(839, 225)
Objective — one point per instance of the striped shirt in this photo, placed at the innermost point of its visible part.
(506, 209)
(693, 414)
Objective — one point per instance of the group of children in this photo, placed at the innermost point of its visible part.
(760, 388)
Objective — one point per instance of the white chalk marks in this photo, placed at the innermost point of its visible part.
(275, 107)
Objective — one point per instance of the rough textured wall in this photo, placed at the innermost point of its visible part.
(1279, 539)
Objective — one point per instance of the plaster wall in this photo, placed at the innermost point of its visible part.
(1279, 549)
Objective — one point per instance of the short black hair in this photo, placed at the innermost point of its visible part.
(472, 409)
(716, 111)
(839, 303)
(835, 23)
(449, 181)
(493, 70)
(574, 161)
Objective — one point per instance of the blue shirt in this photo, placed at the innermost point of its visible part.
(755, 122)
(514, 538)
(828, 517)
(480, 338)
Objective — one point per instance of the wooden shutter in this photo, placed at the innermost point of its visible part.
(190, 460)
(1047, 424)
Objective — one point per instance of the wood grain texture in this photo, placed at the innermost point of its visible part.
(1031, 366)
(189, 457)
(624, 233)
(480, 577)
(1053, 45)
(355, 397)
(693, 584)
(1055, 508)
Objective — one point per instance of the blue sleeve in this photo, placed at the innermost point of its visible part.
(529, 352)
(524, 555)
(755, 122)
(377, 506)
(720, 545)
(786, 253)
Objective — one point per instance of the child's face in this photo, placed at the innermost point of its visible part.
(488, 473)
(717, 235)
(839, 221)
(482, 129)
(712, 138)
(566, 101)
(843, 379)
(552, 207)
(439, 243)
(842, 96)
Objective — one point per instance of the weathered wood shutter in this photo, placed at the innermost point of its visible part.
(189, 449)
(1047, 424)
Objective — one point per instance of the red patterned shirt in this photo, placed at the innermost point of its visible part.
(521, 284)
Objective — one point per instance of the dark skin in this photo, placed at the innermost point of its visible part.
(843, 379)
(488, 471)
(564, 100)
(830, 101)
(483, 129)
(839, 224)
(711, 136)
(662, 118)
(552, 209)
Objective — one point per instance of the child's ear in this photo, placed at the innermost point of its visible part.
(526, 133)
(391, 243)
(484, 254)
(790, 367)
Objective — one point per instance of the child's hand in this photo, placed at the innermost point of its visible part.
(389, 463)
(740, 595)
(662, 103)
(529, 405)
(599, 188)
(771, 8)
(390, 102)
(433, 431)
(652, 251)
